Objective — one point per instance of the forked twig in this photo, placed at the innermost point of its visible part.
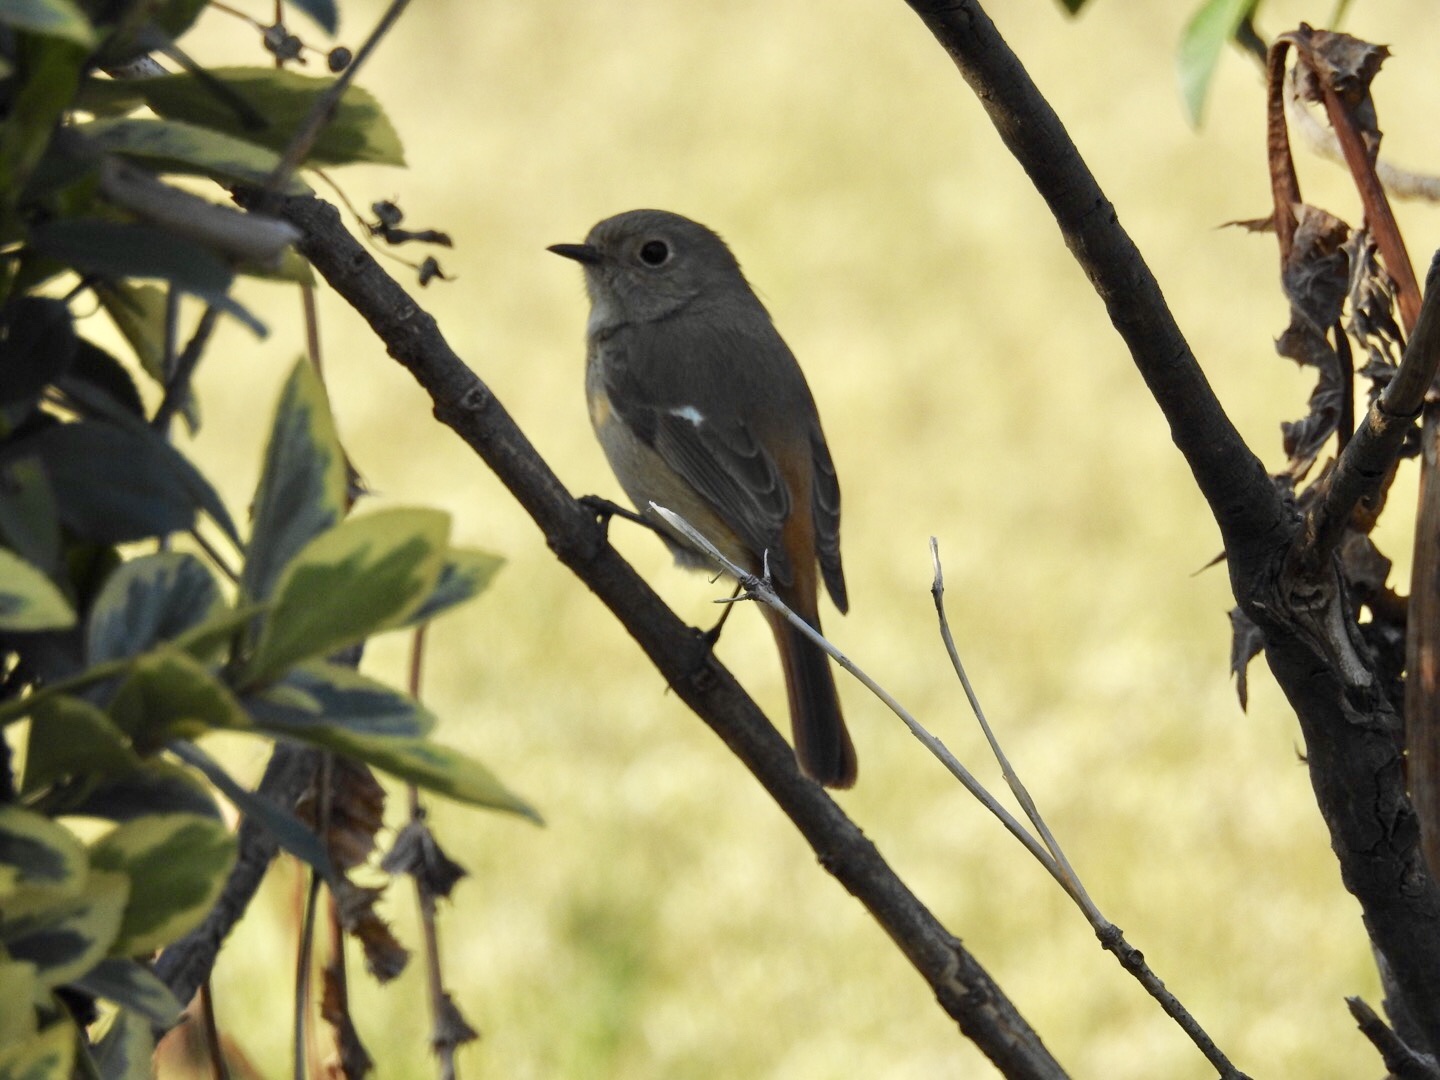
(1048, 852)
(1063, 872)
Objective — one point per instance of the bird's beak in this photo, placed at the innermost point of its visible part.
(585, 254)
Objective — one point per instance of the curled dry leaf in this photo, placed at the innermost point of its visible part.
(1345, 66)
(385, 957)
(1316, 274)
(1303, 439)
(356, 812)
(1246, 641)
(416, 852)
(1372, 312)
(1366, 567)
(451, 1028)
(1316, 279)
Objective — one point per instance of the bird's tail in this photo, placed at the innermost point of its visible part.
(822, 745)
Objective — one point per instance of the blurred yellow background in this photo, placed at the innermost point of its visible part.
(669, 922)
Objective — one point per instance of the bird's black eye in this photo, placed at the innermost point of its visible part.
(654, 252)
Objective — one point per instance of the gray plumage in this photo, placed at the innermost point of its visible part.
(701, 407)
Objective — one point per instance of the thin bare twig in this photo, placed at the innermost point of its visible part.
(1049, 855)
(758, 588)
(177, 382)
(301, 1025)
(1066, 874)
(219, 1070)
(434, 981)
(324, 108)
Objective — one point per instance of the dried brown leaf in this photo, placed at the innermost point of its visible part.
(1346, 66)
(451, 1028)
(1246, 641)
(1372, 312)
(385, 957)
(356, 812)
(1366, 567)
(1253, 225)
(1316, 280)
(1316, 275)
(416, 852)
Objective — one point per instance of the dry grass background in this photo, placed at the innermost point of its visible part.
(668, 922)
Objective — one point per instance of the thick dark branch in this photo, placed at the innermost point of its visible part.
(467, 406)
(1230, 477)
(1311, 642)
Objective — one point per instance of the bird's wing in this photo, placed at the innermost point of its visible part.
(695, 399)
(825, 507)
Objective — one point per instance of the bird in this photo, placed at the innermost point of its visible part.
(701, 407)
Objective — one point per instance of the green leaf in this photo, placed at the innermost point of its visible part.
(52, 18)
(178, 147)
(132, 986)
(214, 635)
(157, 787)
(38, 855)
(37, 343)
(167, 694)
(176, 864)
(467, 573)
(301, 492)
(125, 1049)
(50, 1055)
(118, 483)
(321, 694)
(64, 938)
(117, 249)
(337, 708)
(98, 385)
(433, 767)
(366, 575)
(278, 102)
(29, 519)
(423, 763)
(138, 312)
(322, 11)
(53, 68)
(18, 986)
(161, 22)
(148, 600)
(71, 738)
(1200, 45)
(28, 599)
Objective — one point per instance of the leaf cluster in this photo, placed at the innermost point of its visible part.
(135, 616)
(87, 161)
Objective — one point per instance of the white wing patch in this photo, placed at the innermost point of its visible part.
(689, 412)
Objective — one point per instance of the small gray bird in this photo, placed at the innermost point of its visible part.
(701, 408)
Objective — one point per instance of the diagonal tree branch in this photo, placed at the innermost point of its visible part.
(466, 405)
(1311, 642)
